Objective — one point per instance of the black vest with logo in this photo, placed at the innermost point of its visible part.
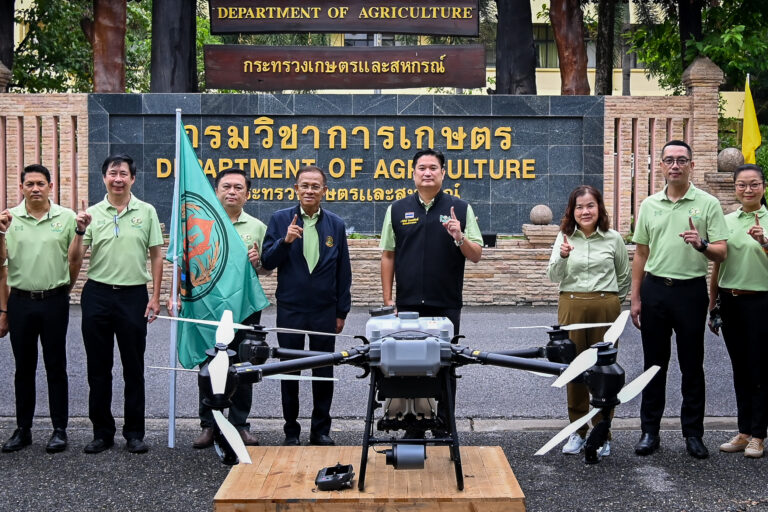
(429, 268)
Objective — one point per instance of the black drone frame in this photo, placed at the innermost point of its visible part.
(604, 380)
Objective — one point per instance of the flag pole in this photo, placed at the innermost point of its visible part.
(172, 357)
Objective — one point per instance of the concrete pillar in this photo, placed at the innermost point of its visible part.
(702, 80)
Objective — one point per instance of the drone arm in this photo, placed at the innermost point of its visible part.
(249, 373)
(518, 363)
(290, 353)
(528, 353)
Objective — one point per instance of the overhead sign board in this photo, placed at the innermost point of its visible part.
(447, 17)
(268, 68)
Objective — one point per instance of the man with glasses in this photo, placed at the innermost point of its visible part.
(308, 246)
(121, 231)
(678, 231)
(34, 237)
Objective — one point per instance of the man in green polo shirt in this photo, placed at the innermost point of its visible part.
(232, 189)
(120, 231)
(678, 231)
(40, 277)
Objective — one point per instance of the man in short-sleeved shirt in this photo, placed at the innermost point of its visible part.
(679, 230)
(40, 279)
(120, 231)
(426, 239)
(232, 188)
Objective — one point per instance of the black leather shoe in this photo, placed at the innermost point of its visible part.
(696, 448)
(321, 440)
(21, 438)
(98, 445)
(647, 444)
(291, 441)
(58, 441)
(134, 445)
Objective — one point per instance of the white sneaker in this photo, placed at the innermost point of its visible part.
(605, 450)
(574, 445)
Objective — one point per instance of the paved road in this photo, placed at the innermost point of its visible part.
(513, 409)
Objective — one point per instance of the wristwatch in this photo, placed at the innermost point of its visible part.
(459, 242)
(704, 245)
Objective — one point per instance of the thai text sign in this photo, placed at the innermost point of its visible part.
(447, 17)
(504, 154)
(268, 68)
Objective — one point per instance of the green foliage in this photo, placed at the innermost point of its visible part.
(735, 37)
(54, 56)
(138, 46)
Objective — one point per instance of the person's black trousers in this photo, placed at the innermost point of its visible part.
(108, 313)
(243, 397)
(46, 318)
(679, 306)
(748, 348)
(454, 315)
(322, 391)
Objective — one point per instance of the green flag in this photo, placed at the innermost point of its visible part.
(216, 274)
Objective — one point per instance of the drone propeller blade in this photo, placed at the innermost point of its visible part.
(302, 331)
(217, 369)
(567, 431)
(232, 437)
(539, 374)
(282, 376)
(214, 323)
(225, 332)
(530, 327)
(576, 327)
(583, 361)
(612, 334)
(173, 369)
(632, 389)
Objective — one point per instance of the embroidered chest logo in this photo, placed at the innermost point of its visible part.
(56, 226)
(694, 212)
(137, 222)
(329, 241)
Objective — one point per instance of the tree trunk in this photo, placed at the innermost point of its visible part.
(568, 26)
(107, 37)
(174, 61)
(6, 33)
(626, 57)
(606, 21)
(690, 25)
(515, 51)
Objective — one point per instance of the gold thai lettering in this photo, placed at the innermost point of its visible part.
(438, 66)
(388, 132)
(315, 133)
(215, 132)
(190, 128)
(505, 133)
(421, 131)
(454, 139)
(330, 194)
(342, 194)
(334, 131)
(366, 135)
(378, 194)
(405, 142)
(330, 66)
(255, 193)
(235, 141)
(264, 125)
(248, 66)
(455, 191)
(480, 137)
(279, 194)
(288, 137)
(267, 193)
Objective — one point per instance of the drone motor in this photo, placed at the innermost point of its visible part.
(406, 456)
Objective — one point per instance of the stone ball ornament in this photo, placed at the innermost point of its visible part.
(729, 159)
(541, 215)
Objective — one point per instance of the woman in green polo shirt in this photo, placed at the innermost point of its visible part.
(740, 284)
(590, 262)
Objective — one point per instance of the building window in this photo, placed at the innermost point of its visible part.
(546, 49)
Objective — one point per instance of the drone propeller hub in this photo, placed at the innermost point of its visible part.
(561, 350)
(605, 380)
(556, 333)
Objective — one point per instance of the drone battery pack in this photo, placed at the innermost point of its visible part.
(335, 478)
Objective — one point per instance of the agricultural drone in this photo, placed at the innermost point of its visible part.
(409, 361)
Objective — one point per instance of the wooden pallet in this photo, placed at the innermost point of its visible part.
(283, 478)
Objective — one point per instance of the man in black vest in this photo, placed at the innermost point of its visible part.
(426, 239)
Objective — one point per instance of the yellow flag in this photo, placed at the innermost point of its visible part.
(750, 138)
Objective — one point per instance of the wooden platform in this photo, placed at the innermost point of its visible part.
(283, 478)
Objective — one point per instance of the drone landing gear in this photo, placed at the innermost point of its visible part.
(415, 387)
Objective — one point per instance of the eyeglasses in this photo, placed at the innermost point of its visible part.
(117, 226)
(752, 186)
(681, 161)
(313, 188)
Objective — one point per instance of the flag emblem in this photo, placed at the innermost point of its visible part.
(408, 215)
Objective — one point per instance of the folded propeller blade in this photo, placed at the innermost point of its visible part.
(232, 436)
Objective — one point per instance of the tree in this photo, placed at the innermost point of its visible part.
(106, 33)
(174, 66)
(515, 51)
(606, 23)
(568, 25)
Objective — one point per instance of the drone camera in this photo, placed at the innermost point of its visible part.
(406, 456)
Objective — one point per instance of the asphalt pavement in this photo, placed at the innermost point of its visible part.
(516, 410)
